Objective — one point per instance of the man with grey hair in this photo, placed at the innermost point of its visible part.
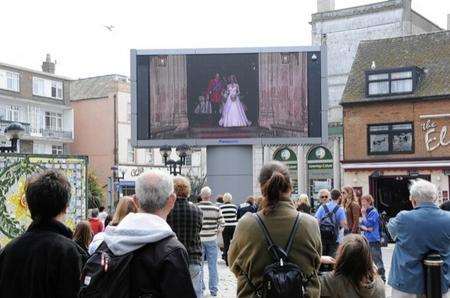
(160, 262)
(417, 233)
(212, 221)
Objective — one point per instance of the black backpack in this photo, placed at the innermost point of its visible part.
(329, 229)
(106, 275)
(281, 279)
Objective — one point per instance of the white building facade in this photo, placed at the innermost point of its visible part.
(39, 101)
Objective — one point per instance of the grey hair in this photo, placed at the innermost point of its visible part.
(423, 191)
(153, 190)
(94, 212)
(205, 192)
(227, 197)
(322, 191)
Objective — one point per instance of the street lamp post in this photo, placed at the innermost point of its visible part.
(174, 166)
(115, 183)
(13, 132)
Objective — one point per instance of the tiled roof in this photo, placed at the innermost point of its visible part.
(430, 52)
(95, 87)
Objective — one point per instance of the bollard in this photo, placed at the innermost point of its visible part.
(433, 274)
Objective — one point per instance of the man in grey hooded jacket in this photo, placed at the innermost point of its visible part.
(160, 262)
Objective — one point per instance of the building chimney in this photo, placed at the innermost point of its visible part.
(325, 5)
(48, 65)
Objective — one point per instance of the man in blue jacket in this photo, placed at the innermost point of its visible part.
(416, 233)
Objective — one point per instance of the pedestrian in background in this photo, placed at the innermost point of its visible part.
(125, 206)
(371, 227)
(354, 274)
(248, 206)
(248, 255)
(212, 222)
(331, 217)
(416, 233)
(95, 222)
(219, 200)
(352, 210)
(445, 206)
(83, 237)
(229, 213)
(44, 261)
(303, 204)
(102, 215)
(185, 219)
(323, 196)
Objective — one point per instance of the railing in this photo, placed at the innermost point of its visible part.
(58, 134)
(5, 123)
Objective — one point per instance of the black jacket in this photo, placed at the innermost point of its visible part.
(43, 262)
(161, 269)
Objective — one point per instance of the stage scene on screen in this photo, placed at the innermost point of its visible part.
(228, 95)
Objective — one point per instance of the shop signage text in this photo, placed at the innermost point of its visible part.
(433, 137)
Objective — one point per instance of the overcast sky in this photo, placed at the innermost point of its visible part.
(74, 33)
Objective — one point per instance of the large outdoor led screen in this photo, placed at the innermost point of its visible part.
(235, 97)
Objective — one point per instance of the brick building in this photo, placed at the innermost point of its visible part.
(396, 108)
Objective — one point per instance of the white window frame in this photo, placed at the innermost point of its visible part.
(55, 121)
(131, 153)
(57, 149)
(13, 113)
(46, 88)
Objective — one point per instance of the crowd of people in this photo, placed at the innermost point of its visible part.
(157, 242)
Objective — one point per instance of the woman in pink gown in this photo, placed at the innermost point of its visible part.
(233, 112)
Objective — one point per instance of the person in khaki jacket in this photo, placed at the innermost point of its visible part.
(248, 253)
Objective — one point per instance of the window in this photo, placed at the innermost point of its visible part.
(9, 80)
(47, 88)
(131, 154)
(391, 82)
(57, 149)
(53, 121)
(390, 138)
(13, 113)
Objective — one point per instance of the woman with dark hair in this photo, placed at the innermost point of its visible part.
(350, 278)
(249, 255)
(83, 237)
(352, 210)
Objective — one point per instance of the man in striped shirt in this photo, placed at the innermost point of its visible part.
(229, 212)
(212, 221)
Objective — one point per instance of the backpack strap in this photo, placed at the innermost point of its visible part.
(292, 234)
(271, 246)
(276, 251)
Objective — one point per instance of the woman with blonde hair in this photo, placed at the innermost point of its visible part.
(126, 205)
(303, 204)
(351, 279)
(352, 210)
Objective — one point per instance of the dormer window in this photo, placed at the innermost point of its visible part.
(391, 81)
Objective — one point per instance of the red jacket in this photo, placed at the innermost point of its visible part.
(96, 225)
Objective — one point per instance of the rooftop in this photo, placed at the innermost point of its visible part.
(10, 66)
(364, 9)
(430, 52)
(96, 87)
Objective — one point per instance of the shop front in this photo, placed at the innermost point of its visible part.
(320, 173)
(423, 144)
